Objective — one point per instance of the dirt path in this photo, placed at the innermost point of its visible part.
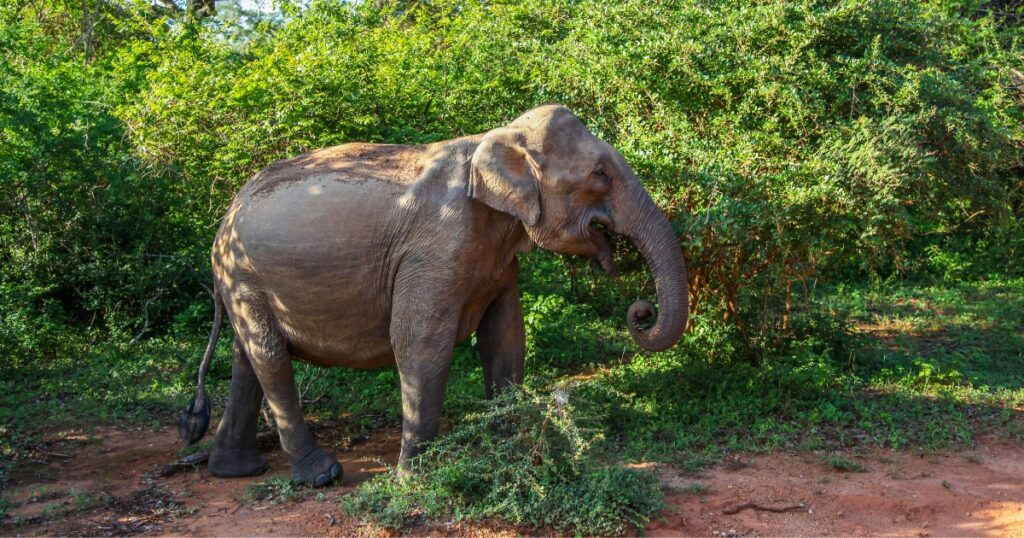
(108, 483)
(975, 493)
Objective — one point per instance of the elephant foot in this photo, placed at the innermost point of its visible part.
(226, 464)
(317, 469)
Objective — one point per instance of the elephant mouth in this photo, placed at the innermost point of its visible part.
(597, 230)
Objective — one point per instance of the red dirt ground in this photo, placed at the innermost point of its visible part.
(106, 483)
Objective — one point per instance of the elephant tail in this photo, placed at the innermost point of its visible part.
(195, 419)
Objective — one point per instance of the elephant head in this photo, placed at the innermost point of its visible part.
(547, 170)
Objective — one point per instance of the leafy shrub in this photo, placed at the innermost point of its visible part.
(528, 458)
(89, 238)
(786, 141)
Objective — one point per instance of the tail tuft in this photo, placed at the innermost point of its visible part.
(195, 419)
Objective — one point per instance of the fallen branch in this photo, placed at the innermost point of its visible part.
(145, 320)
(49, 453)
(754, 506)
(190, 461)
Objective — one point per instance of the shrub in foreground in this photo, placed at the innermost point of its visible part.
(528, 458)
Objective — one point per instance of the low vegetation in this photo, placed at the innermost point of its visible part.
(840, 463)
(277, 490)
(528, 458)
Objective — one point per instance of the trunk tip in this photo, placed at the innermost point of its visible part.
(639, 312)
(653, 337)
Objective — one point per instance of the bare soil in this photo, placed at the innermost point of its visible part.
(108, 482)
(973, 493)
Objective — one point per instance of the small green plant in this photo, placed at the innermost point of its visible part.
(77, 501)
(845, 465)
(277, 489)
(39, 493)
(946, 484)
(695, 489)
(529, 458)
(202, 446)
(85, 500)
(55, 510)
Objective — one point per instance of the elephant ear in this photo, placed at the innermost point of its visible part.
(504, 175)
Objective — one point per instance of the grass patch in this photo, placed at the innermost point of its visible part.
(86, 500)
(840, 382)
(202, 446)
(529, 458)
(696, 489)
(276, 489)
(845, 465)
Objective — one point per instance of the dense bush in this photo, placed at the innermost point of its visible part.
(787, 142)
(783, 139)
(89, 237)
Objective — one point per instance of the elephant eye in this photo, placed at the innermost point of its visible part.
(602, 179)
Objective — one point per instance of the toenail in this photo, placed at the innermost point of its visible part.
(335, 470)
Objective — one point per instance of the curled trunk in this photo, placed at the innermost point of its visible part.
(637, 217)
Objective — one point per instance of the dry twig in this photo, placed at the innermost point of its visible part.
(754, 506)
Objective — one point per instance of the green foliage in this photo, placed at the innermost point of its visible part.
(784, 139)
(787, 141)
(202, 446)
(564, 335)
(88, 237)
(528, 458)
(924, 367)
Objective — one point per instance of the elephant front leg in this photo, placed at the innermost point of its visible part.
(423, 341)
(501, 340)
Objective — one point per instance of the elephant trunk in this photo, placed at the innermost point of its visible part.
(637, 217)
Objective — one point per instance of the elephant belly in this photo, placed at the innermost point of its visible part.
(313, 249)
(337, 340)
(336, 330)
(342, 355)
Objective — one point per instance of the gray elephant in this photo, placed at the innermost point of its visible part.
(367, 255)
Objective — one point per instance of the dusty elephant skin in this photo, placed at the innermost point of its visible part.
(366, 255)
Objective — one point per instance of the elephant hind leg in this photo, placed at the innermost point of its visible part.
(272, 363)
(234, 448)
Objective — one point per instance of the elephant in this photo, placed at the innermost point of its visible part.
(370, 255)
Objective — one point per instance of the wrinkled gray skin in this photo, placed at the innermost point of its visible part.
(366, 255)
